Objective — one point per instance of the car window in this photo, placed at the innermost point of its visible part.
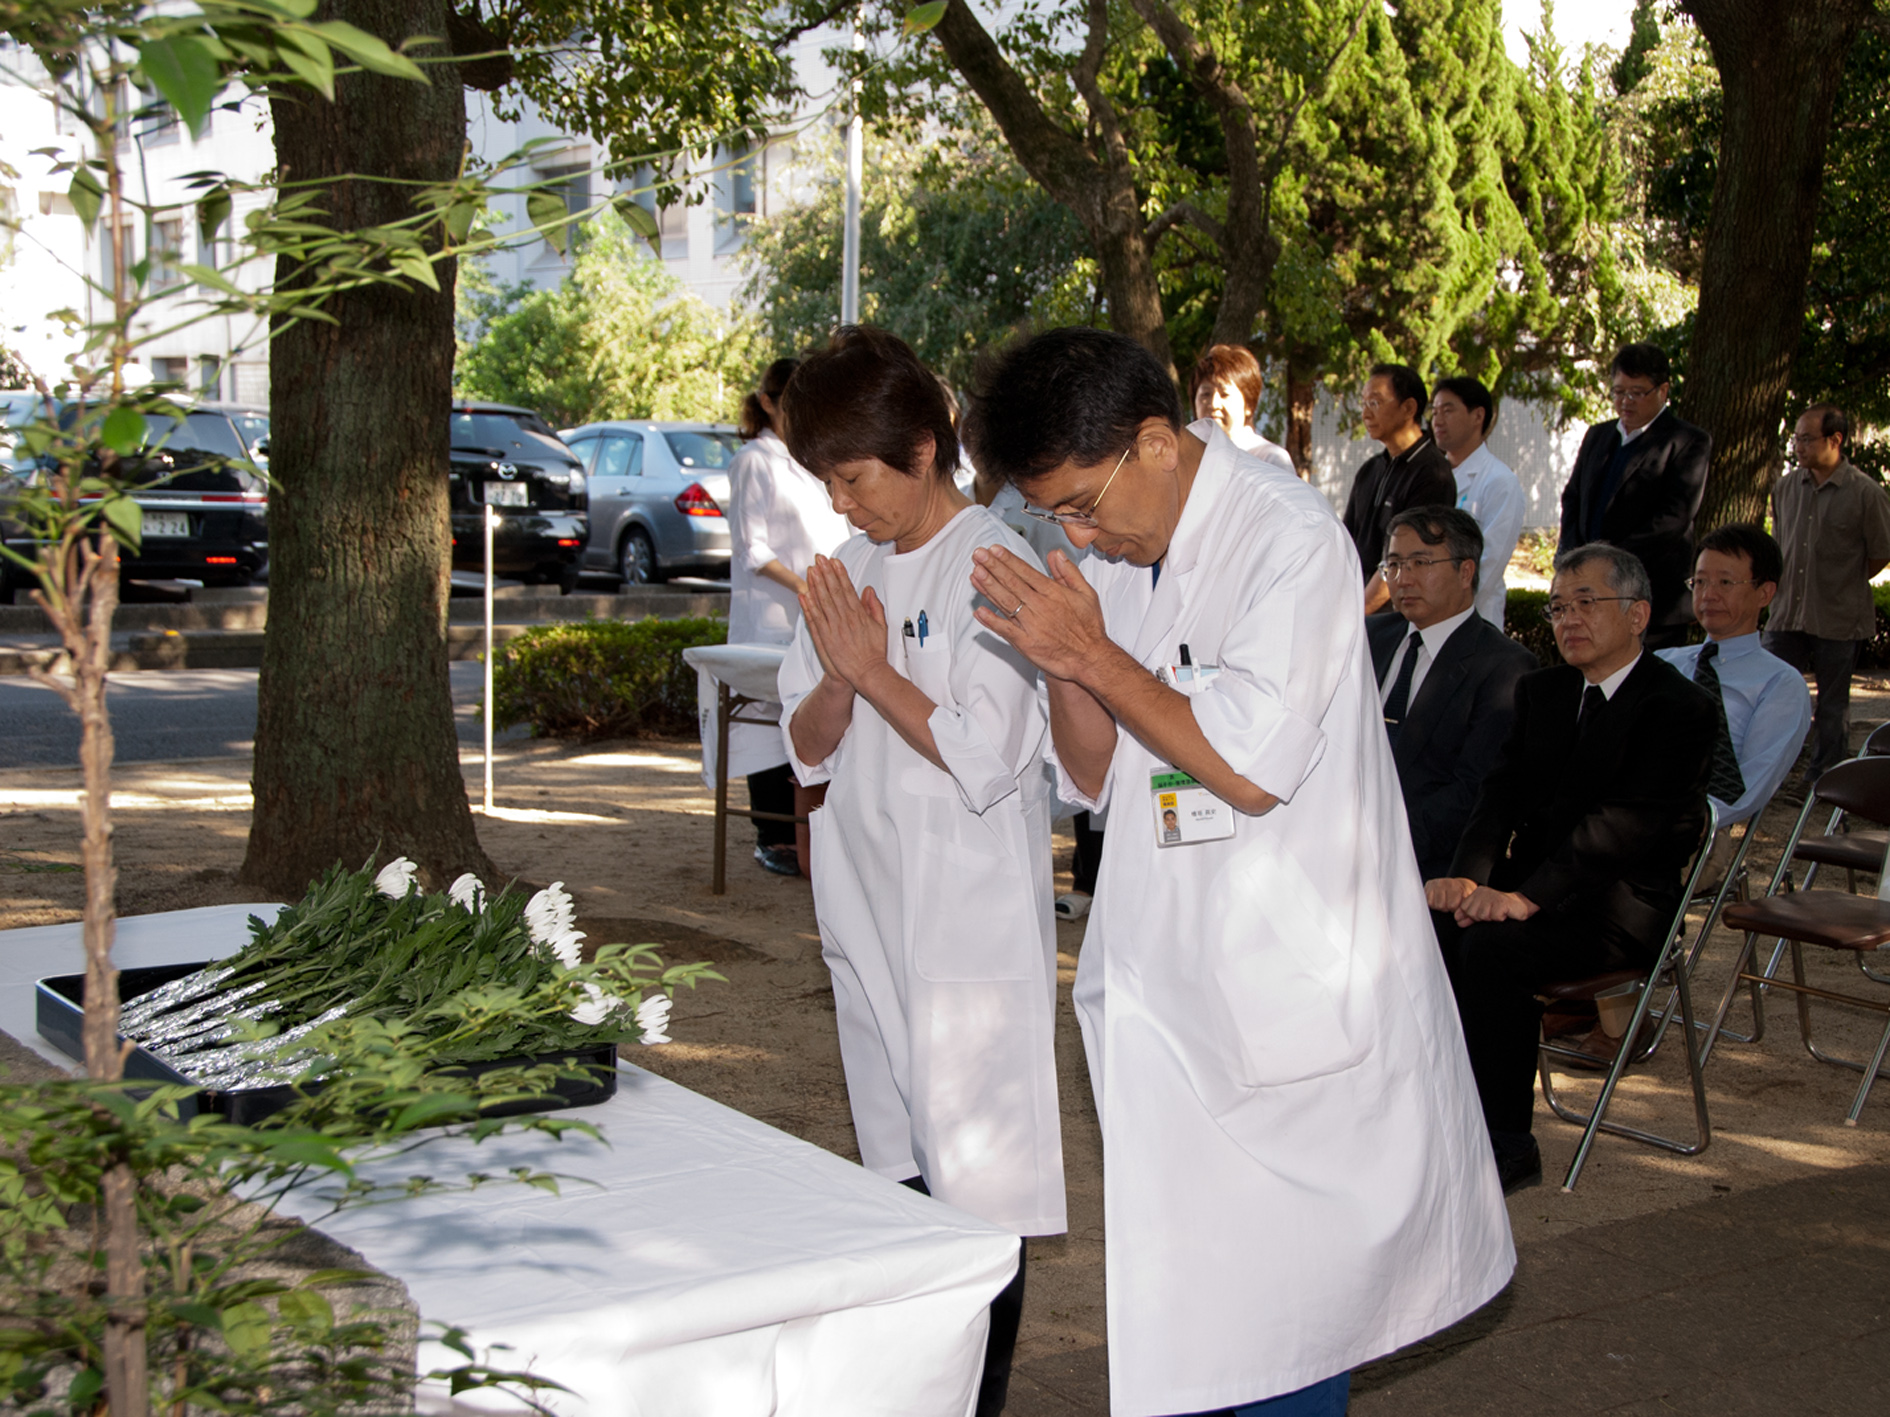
(204, 432)
(524, 432)
(21, 409)
(706, 450)
(253, 426)
(621, 456)
(583, 448)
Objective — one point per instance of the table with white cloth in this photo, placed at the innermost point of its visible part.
(730, 678)
(695, 1262)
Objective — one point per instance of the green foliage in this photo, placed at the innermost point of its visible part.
(958, 251)
(602, 678)
(1875, 652)
(1526, 620)
(620, 338)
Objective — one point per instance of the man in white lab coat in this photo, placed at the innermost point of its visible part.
(1296, 1176)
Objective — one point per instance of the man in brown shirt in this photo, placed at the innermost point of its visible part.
(1833, 523)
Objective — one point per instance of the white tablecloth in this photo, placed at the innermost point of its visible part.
(702, 1264)
(749, 670)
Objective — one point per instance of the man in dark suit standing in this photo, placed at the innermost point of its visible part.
(1637, 484)
(1408, 472)
(1573, 861)
(1446, 676)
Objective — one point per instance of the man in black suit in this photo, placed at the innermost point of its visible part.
(1573, 861)
(1408, 472)
(1446, 676)
(1637, 483)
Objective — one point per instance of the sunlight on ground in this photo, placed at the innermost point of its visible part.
(526, 814)
(662, 762)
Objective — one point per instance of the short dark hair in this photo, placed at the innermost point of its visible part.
(1744, 539)
(1071, 395)
(1449, 527)
(1472, 394)
(867, 395)
(1406, 383)
(1643, 361)
(1831, 420)
(1230, 364)
(774, 380)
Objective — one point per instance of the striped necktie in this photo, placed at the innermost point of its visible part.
(1725, 782)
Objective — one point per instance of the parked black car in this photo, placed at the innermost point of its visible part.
(204, 505)
(510, 458)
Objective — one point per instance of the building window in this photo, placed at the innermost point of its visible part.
(209, 376)
(737, 187)
(167, 250)
(128, 238)
(170, 369)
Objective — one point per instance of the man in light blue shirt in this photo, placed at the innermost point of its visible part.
(1766, 708)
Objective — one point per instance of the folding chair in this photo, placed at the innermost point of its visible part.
(1710, 897)
(1841, 846)
(1833, 919)
(1670, 966)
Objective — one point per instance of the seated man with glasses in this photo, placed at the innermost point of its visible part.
(1446, 676)
(1637, 483)
(1576, 853)
(1764, 705)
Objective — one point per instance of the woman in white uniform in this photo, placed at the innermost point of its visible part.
(779, 521)
(932, 854)
(1227, 389)
(1296, 1177)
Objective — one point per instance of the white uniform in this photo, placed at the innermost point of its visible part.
(1250, 442)
(1489, 491)
(778, 511)
(932, 889)
(1296, 1173)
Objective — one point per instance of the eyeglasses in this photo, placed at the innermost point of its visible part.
(1632, 395)
(1715, 583)
(1560, 610)
(1394, 566)
(1081, 518)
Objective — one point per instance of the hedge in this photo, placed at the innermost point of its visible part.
(1526, 618)
(602, 678)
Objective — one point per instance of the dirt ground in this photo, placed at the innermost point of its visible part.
(628, 828)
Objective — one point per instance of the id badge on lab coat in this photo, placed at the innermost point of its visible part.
(1185, 811)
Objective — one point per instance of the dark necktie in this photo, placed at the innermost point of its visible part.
(1399, 699)
(1726, 782)
(1593, 701)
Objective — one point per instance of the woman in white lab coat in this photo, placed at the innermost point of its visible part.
(932, 854)
(1296, 1175)
(779, 521)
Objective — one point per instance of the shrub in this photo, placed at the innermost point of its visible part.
(1526, 620)
(602, 678)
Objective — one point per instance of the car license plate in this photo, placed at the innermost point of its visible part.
(508, 494)
(165, 524)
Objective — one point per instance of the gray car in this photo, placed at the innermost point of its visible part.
(658, 497)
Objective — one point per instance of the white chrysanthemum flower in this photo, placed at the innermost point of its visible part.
(468, 893)
(550, 913)
(653, 1019)
(396, 878)
(597, 1006)
(568, 947)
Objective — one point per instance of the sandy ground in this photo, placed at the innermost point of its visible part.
(628, 828)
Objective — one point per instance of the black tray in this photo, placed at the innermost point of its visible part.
(60, 1007)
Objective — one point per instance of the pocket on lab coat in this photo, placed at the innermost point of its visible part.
(930, 669)
(971, 909)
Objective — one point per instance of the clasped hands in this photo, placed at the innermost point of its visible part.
(1473, 904)
(848, 627)
(1055, 621)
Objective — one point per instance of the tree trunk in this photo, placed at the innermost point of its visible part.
(1779, 69)
(1301, 393)
(1097, 183)
(356, 749)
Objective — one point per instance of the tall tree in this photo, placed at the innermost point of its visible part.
(356, 748)
(1780, 66)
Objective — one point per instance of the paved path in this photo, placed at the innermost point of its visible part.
(1773, 1302)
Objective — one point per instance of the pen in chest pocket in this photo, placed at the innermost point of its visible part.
(924, 629)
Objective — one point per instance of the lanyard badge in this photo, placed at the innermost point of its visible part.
(1185, 811)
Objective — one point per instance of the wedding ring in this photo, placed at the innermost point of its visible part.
(1018, 611)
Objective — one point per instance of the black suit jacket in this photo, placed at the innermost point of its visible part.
(1604, 823)
(1454, 729)
(1652, 510)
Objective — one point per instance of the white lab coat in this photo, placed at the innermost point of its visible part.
(932, 891)
(1489, 491)
(778, 511)
(1296, 1173)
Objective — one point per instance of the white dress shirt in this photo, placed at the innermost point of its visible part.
(1490, 492)
(1433, 639)
(1611, 683)
(1768, 710)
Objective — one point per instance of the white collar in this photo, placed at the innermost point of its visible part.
(1436, 635)
(1476, 461)
(1627, 437)
(1616, 679)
